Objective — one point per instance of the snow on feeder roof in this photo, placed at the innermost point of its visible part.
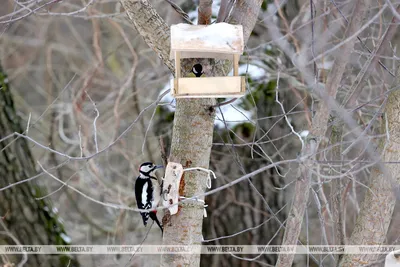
(220, 40)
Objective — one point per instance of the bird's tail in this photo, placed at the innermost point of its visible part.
(145, 217)
(153, 216)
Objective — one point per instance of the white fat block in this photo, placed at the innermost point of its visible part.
(170, 192)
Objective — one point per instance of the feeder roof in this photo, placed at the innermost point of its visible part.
(219, 40)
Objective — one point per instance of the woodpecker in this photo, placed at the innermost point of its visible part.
(147, 197)
(197, 70)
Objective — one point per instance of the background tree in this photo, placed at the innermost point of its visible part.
(26, 218)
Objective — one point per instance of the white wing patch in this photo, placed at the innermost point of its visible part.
(144, 195)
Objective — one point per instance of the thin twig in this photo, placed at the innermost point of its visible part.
(94, 122)
(180, 11)
(224, 103)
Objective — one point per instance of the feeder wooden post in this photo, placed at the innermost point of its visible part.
(235, 65)
(177, 65)
(175, 88)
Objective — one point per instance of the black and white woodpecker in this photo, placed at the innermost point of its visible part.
(197, 70)
(147, 194)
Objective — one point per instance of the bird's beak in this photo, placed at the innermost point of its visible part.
(158, 167)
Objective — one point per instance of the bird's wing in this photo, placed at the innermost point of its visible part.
(143, 193)
(150, 195)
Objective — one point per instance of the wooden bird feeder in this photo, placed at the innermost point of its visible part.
(219, 41)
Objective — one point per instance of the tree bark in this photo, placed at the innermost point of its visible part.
(193, 123)
(29, 221)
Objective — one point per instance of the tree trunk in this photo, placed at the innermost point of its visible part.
(24, 220)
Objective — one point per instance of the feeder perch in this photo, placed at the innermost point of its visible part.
(172, 179)
(219, 41)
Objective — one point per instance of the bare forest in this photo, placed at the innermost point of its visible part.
(308, 156)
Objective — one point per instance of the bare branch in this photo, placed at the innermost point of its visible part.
(180, 11)
(94, 121)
